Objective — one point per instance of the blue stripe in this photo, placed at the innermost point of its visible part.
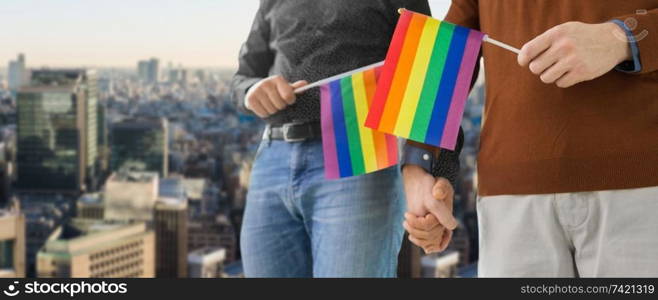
(447, 86)
(340, 130)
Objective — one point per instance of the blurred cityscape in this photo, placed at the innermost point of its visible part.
(143, 172)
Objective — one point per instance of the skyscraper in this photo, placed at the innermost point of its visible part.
(103, 165)
(149, 70)
(170, 222)
(154, 70)
(140, 143)
(57, 131)
(17, 73)
(143, 70)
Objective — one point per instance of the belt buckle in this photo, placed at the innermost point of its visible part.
(286, 129)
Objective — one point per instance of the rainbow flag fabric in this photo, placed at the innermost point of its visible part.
(349, 148)
(425, 80)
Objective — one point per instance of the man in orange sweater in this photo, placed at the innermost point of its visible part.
(568, 162)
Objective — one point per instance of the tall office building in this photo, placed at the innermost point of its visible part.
(141, 143)
(149, 70)
(143, 70)
(103, 164)
(17, 73)
(57, 131)
(170, 222)
(154, 70)
(84, 248)
(12, 244)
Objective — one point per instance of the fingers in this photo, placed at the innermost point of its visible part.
(427, 233)
(544, 61)
(439, 244)
(427, 223)
(441, 205)
(447, 237)
(426, 245)
(568, 80)
(258, 109)
(266, 103)
(554, 73)
(284, 91)
(275, 100)
(271, 95)
(432, 234)
(535, 47)
(441, 211)
(299, 84)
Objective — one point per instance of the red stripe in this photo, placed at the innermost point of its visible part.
(392, 147)
(388, 71)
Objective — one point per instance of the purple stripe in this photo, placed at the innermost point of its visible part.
(462, 88)
(328, 137)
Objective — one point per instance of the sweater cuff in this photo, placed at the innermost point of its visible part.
(436, 161)
(644, 27)
(634, 65)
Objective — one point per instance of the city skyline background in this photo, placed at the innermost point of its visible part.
(95, 33)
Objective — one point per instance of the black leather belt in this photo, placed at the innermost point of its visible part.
(293, 132)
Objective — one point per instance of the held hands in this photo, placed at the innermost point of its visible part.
(429, 219)
(271, 95)
(575, 52)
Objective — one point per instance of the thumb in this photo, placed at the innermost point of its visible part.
(299, 84)
(442, 189)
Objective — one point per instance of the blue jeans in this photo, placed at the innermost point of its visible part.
(298, 224)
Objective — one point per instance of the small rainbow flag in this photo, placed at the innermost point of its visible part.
(350, 148)
(425, 81)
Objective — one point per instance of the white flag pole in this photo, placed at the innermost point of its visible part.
(500, 44)
(336, 77)
(381, 63)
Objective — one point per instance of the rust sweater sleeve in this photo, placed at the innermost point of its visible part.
(646, 35)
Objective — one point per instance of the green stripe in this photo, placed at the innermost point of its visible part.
(432, 82)
(352, 125)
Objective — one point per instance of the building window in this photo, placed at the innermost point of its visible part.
(7, 254)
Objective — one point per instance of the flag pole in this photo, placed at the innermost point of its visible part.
(336, 77)
(381, 63)
(488, 40)
(500, 44)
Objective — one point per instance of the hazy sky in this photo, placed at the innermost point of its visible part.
(120, 32)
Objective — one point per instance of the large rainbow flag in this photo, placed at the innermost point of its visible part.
(426, 80)
(350, 148)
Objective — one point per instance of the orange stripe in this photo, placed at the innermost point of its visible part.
(402, 72)
(378, 138)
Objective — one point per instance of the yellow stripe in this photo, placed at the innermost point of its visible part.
(417, 78)
(361, 103)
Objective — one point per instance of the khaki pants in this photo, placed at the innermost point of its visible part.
(589, 234)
